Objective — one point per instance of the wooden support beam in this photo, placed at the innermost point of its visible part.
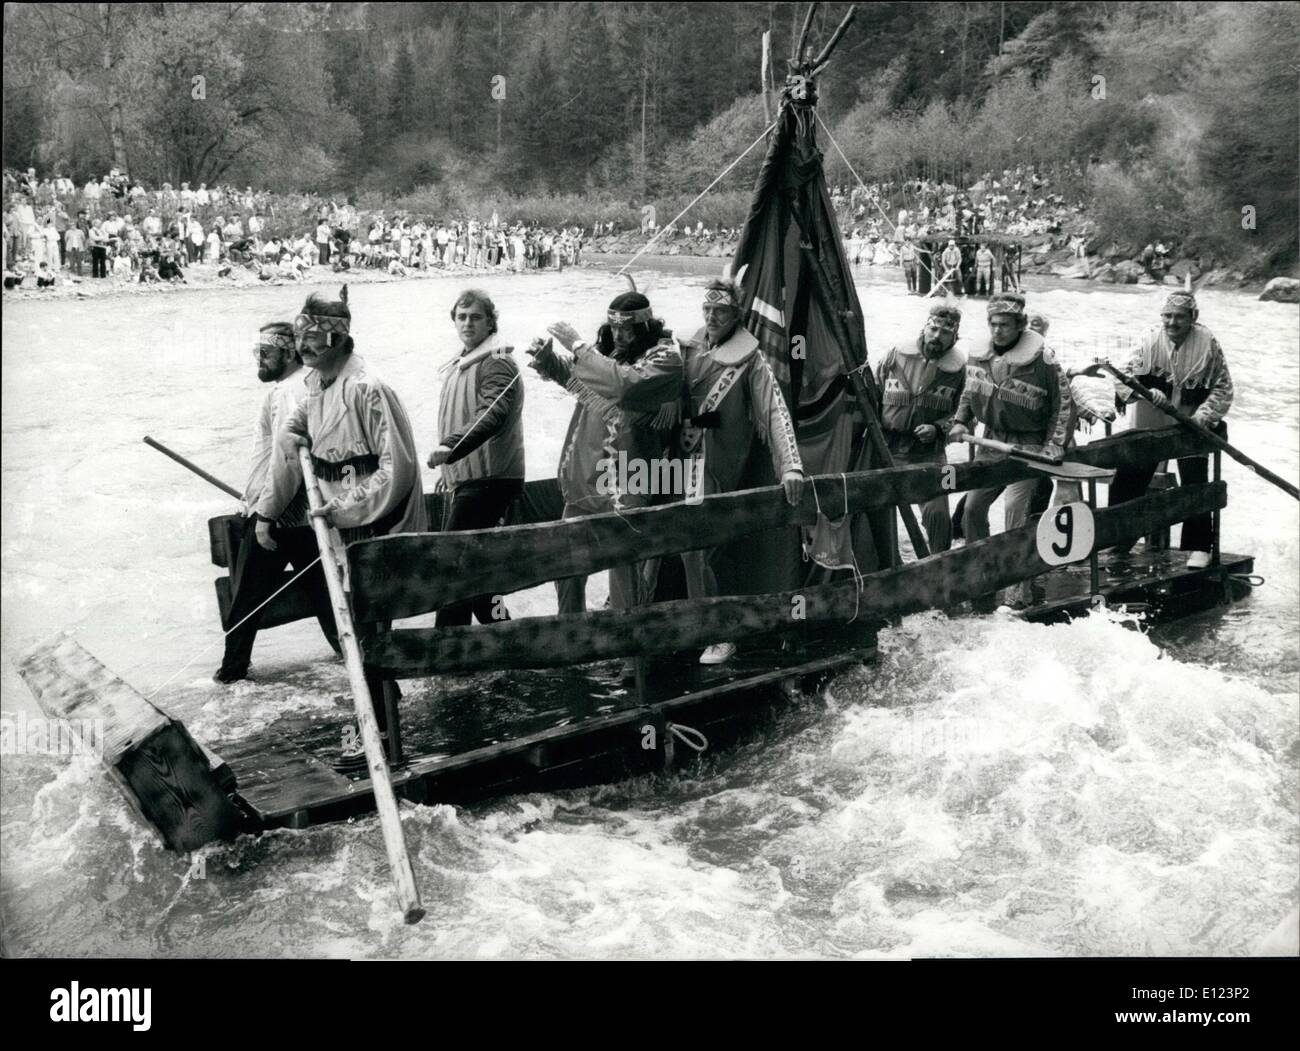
(170, 780)
(414, 573)
(934, 583)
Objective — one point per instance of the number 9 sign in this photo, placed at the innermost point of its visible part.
(1066, 534)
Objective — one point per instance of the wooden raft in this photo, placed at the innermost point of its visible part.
(172, 781)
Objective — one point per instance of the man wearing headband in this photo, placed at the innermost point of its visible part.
(1181, 364)
(921, 384)
(622, 383)
(271, 544)
(362, 447)
(732, 398)
(1015, 388)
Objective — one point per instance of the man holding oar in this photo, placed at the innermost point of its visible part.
(278, 539)
(362, 447)
(1181, 365)
(1017, 390)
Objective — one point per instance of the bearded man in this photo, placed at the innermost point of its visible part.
(921, 384)
(1182, 365)
(1016, 389)
(272, 542)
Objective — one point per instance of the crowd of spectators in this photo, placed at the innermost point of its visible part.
(115, 229)
(1021, 202)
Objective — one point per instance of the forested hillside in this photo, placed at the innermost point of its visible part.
(1168, 119)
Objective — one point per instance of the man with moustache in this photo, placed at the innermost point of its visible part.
(1017, 390)
(921, 384)
(1182, 365)
(271, 544)
(362, 447)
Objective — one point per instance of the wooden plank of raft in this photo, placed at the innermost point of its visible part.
(168, 777)
(933, 583)
(414, 573)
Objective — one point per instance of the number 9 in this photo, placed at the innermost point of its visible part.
(1065, 527)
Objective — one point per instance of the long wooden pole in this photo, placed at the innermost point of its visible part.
(1204, 432)
(408, 894)
(194, 467)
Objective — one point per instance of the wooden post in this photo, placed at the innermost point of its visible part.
(1218, 473)
(1094, 572)
(408, 895)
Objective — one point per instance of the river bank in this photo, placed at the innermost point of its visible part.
(1043, 259)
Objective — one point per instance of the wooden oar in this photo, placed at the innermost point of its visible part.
(194, 467)
(330, 544)
(1040, 461)
(1196, 428)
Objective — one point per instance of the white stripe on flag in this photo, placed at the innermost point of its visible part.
(766, 310)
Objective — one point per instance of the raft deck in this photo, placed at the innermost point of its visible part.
(525, 731)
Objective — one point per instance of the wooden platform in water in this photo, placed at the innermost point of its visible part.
(525, 731)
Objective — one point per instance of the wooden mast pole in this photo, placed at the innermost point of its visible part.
(331, 546)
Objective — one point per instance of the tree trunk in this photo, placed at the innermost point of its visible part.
(116, 129)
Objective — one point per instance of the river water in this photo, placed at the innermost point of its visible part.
(988, 788)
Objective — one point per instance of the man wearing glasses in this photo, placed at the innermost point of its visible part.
(259, 567)
(921, 385)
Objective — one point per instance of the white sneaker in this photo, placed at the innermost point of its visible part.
(1198, 560)
(718, 653)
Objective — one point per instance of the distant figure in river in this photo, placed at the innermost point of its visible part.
(1182, 365)
(950, 260)
(984, 261)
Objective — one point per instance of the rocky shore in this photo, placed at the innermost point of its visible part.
(1113, 267)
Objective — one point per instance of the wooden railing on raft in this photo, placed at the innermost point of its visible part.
(410, 574)
(668, 627)
(415, 573)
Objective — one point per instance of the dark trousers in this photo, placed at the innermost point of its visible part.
(478, 505)
(257, 573)
(1131, 483)
(98, 261)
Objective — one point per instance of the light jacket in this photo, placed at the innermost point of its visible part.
(1194, 376)
(915, 390)
(363, 453)
(756, 409)
(633, 394)
(277, 407)
(480, 415)
(1021, 393)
